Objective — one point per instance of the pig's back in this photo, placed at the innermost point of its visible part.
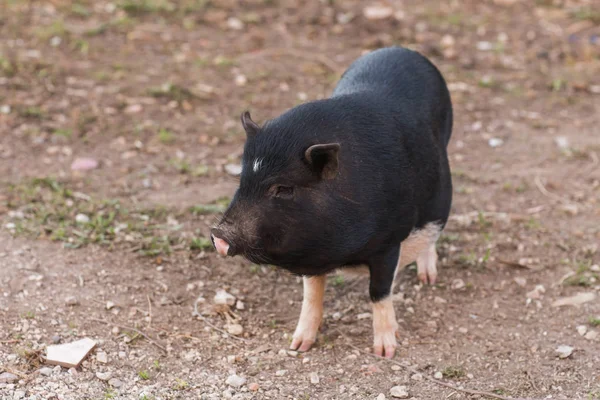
(403, 82)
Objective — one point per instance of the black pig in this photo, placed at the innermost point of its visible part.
(360, 178)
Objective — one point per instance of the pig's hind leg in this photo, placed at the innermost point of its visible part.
(385, 326)
(311, 313)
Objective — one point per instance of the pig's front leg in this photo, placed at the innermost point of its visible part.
(385, 326)
(311, 314)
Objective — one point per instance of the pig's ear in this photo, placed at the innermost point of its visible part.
(323, 158)
(250, 126)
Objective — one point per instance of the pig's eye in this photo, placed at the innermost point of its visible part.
(283, 192)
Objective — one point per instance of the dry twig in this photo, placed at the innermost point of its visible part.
(319, 58)
(133, 330)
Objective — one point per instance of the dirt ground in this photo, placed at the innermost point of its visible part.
(152, 90)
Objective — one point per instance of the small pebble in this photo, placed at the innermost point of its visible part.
(235, 381)
(46, 371)
(399, 392)
(281, 372)
(314, 378)
(82, 219)
(7, 377)
(239, 305)
(439, 300)
(56, 339)
(582, 329)
(114, 382)
(102, 357)
(235, 24)
(591, 335)
(233, 169)
(381, 396)
(19, 394)
(458, 284)
(235, 329)
(396, 368)
(438, 375)
(253, 387)
(71, 301)
(103, 376)
(470, 376)
(495, 142)
(417, 377)
(110, 305)
(292, 353)
(564, 351)
(377, 12)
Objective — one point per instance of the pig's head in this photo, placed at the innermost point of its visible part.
(279, 214)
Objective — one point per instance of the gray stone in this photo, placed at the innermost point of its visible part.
(399, 392)
(46, 371)
(114, 382)
(7, 377)
(235, 381)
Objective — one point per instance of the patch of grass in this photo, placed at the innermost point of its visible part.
(453, 372)
(144, 375)
(66, 133)
(254, 268)
(80, 10)
(595, 321)
(32, 113)
(557, 85)
(7, 67)
(533, 224)
(180, 384)
(109, 394)
(338, 281)
(583, 275)
(57, 28)
(201, 243)
(172, 92)
(587, 14)
(29, 315)
(156, 365)
(218, 206)
(222, 61)
(140, 7)
(165, 136)
(181, 165)
(482, 221)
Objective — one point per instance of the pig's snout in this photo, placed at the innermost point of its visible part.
(221, 245)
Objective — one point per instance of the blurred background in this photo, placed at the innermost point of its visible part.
(120, 143)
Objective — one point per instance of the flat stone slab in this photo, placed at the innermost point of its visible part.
(69, 355)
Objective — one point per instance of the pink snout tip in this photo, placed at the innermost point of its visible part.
(221, 245)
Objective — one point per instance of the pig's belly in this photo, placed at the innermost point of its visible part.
(417, 242)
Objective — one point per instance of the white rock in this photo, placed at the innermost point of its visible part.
(103, 376)
(292, 353)
(281, 372)
(235, 381)
(463, 330)
(241, 80)
(381, 396)
(19, 394)
(377, 12)
(114, 382)
(595, 268)
(457, 284)
(591, 335)
(562, 142)
(82, 219)
(396, 368)
(438, 375)
(5, 109)
(110, 305)
(564, 351)
(46, 371)
(222, 297)
(235, 24)
(314, 378)
(417, 377)
(399, 392)
(363, 316)
(102, 357)
(235, 329)
(582, 329)
(71, 301)
(233, 169)
(495, 142)
(7, 377)
(55, 41)
(485, 46)
(439, 300)
(447, 41)
(239, 305)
